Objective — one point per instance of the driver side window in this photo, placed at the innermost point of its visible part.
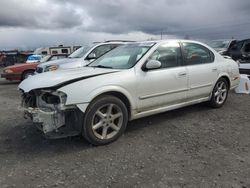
(169, 54)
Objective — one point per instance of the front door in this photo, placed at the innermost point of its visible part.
(164, 86)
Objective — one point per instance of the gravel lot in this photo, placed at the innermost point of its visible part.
(191, 147)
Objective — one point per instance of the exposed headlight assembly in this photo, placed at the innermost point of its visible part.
(54, 98)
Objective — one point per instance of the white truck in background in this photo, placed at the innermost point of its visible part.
(56, 50)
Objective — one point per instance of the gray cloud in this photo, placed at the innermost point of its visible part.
(39, 15)
(171, 16)
(208, 19)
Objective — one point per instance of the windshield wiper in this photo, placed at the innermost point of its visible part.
(102, 66)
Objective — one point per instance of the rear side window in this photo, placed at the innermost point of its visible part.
(197, 54)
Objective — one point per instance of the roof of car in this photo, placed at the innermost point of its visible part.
(112, 42)
(167, 40)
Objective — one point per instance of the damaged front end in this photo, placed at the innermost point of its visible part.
(49, 113)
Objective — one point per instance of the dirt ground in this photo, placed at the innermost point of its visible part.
(190, 147)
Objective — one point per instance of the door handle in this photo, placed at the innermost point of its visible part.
(181, 74)
(214, 69)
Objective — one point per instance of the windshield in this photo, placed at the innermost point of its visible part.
(80, 52)
(45, 58)
(219, 43)
(123, 57)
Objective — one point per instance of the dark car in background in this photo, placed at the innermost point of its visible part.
(240, 52)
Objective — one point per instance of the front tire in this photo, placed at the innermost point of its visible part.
(26, 74)
(105, 120)
(219, 94)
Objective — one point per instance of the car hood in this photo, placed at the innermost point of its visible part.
(21, 65)
(73, 64)
(61, 78)
(58, 62)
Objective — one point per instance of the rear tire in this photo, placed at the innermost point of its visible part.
(105, 120)
(219, 94)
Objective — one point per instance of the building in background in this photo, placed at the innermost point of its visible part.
(11, 57)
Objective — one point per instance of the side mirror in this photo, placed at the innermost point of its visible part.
(91, 56)
(151, 64)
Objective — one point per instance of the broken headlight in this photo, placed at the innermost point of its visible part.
(54, 98)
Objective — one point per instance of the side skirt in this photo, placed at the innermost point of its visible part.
(136, 115)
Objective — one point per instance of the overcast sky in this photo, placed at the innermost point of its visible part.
(26, 24)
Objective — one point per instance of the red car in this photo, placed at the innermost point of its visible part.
(21, 71)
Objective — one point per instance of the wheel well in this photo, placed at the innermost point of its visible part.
(122, 97)
(29, 70)
(228, 81)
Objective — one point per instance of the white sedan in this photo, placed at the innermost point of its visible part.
(129, 82)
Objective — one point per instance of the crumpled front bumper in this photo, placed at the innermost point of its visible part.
(46, 121)
(51, 115)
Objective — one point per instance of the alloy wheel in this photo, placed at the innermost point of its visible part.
(107, 121)
(220, 92)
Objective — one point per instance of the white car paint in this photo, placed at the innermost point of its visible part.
(147, 92)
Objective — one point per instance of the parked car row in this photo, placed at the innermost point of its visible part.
(79, 58)
(109, 84)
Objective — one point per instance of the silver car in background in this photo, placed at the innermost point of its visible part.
(80, 57)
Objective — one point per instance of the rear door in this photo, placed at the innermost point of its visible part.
(202, 70)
